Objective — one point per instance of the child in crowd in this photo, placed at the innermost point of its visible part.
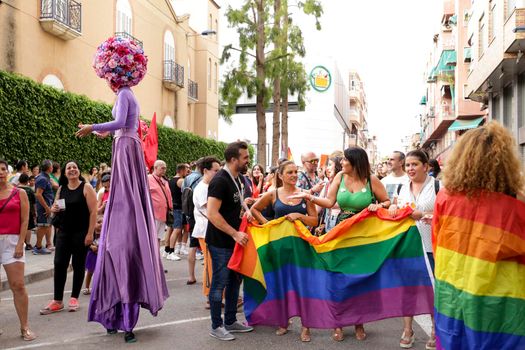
(91, 258)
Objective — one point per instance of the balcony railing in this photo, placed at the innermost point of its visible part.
(62, 18)
(128, 36)
(193, 90)
(173, 75)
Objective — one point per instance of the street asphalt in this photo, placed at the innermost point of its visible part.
(182, 324)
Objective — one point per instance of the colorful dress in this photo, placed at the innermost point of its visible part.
(128, 273)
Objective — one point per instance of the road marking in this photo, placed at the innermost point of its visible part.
(65, 341)
(68, 291)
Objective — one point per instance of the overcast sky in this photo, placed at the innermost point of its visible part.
(387, 43)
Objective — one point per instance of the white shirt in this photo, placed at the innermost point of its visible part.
(424, 202)
(200, 199)
(392, 182)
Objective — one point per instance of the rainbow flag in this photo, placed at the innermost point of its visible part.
(367, 268)
(479, 245)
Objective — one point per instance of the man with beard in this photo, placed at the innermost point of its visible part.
(225, 206)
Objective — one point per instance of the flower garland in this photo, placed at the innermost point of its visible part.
(121, 62)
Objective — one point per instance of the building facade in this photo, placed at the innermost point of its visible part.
(447, 110)
(496, 32)
(358, 111)
(54, 41)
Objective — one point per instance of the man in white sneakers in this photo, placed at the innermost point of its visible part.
(396, 176)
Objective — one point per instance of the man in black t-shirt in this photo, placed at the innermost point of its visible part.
(225, 206)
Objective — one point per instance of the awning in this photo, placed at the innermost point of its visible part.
(467, 54)
(465, 124)
(447, 61)
(423, 100)
(432, 75)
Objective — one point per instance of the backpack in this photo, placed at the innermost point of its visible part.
(187, 199)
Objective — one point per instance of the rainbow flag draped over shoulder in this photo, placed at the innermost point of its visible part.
(479, 246)
(367, 268)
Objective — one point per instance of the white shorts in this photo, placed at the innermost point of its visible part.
(7, 250)
(161, 228)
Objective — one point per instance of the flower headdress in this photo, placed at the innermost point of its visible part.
(121, 62)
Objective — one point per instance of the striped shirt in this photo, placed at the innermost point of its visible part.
(423, 202)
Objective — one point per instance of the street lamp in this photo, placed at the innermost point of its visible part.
(207, 32)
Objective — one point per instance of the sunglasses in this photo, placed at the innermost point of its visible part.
(312, 161)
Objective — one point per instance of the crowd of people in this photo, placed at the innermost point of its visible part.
(111, 222)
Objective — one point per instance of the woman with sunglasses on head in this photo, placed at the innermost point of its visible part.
(353, 189)
(298, 209)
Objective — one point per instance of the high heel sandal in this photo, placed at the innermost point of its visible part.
(27, 334)
(281, 331)
(338, 335)
(407, 341)
(360, 333)
(305, 335)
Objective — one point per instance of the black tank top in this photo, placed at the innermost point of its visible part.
(76, 215)
(176, 192)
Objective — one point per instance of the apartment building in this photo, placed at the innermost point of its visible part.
(53, 42)
(496, 32)
(358, 111)
(447, 110)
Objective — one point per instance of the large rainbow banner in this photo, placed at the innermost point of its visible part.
(480, 272)
(367, 268)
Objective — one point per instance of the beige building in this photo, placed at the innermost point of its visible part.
(496, 32)
(447, 110)
(358, 111)
(53, 42)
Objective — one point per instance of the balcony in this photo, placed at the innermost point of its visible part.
(173, 78)
(514, 39)
(62, 18)
(128, 36)
(193, 91)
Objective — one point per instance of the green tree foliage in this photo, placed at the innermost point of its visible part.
(39, 122)
(272, 69)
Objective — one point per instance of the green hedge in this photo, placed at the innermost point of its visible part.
(39, 122)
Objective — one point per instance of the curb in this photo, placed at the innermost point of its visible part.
(32, 277)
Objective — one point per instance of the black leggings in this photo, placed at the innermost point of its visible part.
(67, 245)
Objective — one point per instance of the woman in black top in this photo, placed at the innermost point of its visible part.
(75, 224)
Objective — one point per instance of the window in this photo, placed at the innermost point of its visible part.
(209, 73)
(216, 78)
(124, 17)
(217, 30)
(210, 22)
(465, 88)
(189, 69)
(495, 108)
(168, 122)
(492, 23)
(169, 46)
(507, 107)
(481, 36)
(54, 81)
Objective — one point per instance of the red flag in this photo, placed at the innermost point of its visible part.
(151, 144)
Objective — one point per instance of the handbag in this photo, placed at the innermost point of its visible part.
(170, 219)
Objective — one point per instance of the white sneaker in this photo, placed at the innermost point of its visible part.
(177, 249)
(164, 254)
(173, 257)
(199, 256)
(184, 250)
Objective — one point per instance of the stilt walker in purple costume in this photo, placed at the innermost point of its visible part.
(129, 273)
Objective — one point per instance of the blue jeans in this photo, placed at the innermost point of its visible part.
(223, 278)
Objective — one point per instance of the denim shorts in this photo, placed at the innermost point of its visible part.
(177, 218)
(41, 219)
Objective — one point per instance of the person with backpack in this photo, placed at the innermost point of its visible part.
(420, 194)
(175, 231)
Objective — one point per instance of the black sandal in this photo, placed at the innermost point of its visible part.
(111, 331)
(129, 337)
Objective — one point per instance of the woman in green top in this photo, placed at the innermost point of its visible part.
(354, 189)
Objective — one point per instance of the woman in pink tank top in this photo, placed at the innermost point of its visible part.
(14, 218)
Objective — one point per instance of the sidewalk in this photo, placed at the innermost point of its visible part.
(37, 268)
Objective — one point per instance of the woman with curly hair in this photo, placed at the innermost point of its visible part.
(479, 244)
(129, 273)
